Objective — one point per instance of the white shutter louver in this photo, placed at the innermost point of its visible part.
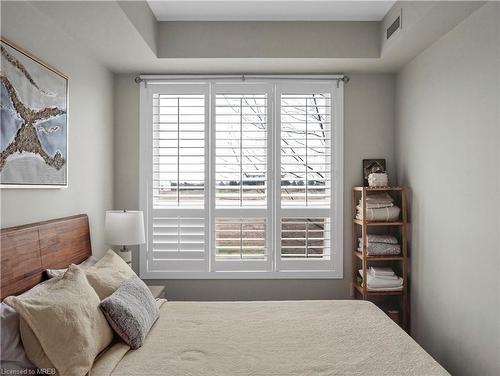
(177, 234)
(305, 238)
(240, 238)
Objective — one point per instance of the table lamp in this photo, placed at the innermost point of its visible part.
(124, 227)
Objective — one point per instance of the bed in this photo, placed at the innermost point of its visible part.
(226, 338)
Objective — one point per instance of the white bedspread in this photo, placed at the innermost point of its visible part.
(310, 338)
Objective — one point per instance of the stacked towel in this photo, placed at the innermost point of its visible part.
(382, 272)
(387, 214)
(378, 179)
(379, 197)
(379, 207)
(376, 238)
(382, 279)
(380, 245)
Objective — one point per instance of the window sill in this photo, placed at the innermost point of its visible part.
(320, 274)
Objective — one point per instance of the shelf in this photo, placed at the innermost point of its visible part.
(369, 223)
(380, 258)
(362, 227)
(378, 189)
(379, 293)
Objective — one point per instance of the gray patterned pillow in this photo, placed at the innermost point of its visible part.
(131, 311)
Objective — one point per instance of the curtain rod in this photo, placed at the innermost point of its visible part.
(242, 77)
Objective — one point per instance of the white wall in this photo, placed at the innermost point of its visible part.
(90, 157)
(369, 133)
(448, 152)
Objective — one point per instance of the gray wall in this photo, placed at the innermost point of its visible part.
(90, 127)
(448, 152)
(369, 133)
(254, 39)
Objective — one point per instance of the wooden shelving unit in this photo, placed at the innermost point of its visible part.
(361, 261)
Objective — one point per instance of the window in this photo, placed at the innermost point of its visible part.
(242, 179)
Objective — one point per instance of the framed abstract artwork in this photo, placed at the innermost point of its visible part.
(34, 122)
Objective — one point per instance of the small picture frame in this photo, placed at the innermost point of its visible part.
(372, 166)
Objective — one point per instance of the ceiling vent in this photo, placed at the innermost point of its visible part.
(395, 26)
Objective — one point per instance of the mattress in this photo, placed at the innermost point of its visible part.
(269, 339)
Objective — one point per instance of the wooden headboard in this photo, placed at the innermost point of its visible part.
(26, 251)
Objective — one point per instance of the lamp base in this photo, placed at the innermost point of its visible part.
(126, 255)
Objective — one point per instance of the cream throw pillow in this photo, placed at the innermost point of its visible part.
(67, 321)
(30, 343)
(32, 346)
(108, 274)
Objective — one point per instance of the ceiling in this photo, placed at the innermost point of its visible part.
(123, 34)
(265, 10)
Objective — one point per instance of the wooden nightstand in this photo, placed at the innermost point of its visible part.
(157, 291)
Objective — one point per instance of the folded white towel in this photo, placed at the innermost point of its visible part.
(379, 283)
(379, 197)
(390, 277)
(376, 205)
(399, 288)
(383, 214)
(379, 271)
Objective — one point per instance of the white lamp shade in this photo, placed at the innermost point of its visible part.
(124, 227)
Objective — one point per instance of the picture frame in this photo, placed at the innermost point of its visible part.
(34, 128)
(371, 166)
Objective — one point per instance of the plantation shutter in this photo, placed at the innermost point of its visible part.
(241, 179)
(179, 221)
(305, 213)
(242, 182)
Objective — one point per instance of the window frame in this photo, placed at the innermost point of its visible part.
(274, 268)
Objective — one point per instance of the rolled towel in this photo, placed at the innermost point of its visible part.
(383, 214)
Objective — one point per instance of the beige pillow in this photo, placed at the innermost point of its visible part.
(67, 322)
(108, 274)
(34, 350)
(32, 346)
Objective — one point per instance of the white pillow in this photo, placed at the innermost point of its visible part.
(12, 354)
(52, 273)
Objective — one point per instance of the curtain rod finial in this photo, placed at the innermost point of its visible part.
(138, 80)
